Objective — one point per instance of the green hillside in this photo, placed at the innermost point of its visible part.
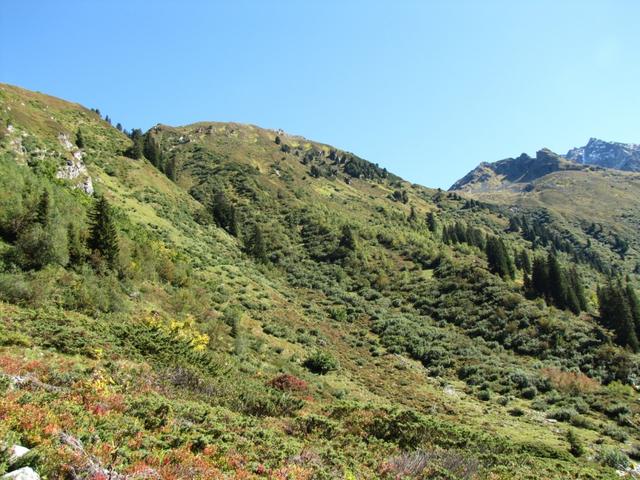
(224, 301)
(595, 209)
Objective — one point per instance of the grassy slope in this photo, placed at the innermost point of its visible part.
(367, 373)
(576, 199)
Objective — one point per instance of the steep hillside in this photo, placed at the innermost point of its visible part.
(595, 209)
(251, 304)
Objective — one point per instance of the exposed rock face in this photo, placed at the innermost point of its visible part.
(65, 142)
(621, 156)
(75, 169)
(16, 452)
(515, 172)
(26, 473)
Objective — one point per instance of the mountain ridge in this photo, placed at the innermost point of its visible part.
(522, 169)
(280, 308)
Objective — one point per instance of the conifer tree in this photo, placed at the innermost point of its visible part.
(514, 224)
(634, 306)
(103, 236)
(498, 258)
(576, 286)
(80, 139)
(170, 169)
(151, 150)
(76, 248)
(446, 238)
(557, 282)
(255, 245)
(43, 209)
(412, 215)
(432, 222)
(525, 262)
(224, 214)
(616, 314)
(348, 238)
(539, 277)
(461, 232)
(136, 150)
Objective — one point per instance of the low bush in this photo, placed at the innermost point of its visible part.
(288, 383)
(613, 458)
(321, 363)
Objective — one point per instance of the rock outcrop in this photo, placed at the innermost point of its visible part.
(25, 473)
(75, 170)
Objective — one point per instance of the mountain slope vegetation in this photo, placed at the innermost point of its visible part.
(224, 301)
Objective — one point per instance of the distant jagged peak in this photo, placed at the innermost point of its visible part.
(618, 155)
(510, 171)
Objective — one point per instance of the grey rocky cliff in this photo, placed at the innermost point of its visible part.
(621, 156)
(75, 169)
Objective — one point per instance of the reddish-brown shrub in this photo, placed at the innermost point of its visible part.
(288, 383)
(570, 382)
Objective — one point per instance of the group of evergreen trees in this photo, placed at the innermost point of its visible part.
(498, 258)
(43, 239)
(147, 146)
(460, 233)
(136, 151)
(224, 214)
(540, 232)
(620, 311)
(560, 286)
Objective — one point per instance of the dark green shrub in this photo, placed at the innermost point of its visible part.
(615, 433)
(484, 395)
(529, 393)
(268, 403)
(613, 458)
(320, 363)
(562, 414)
(152, 410)
(575, 445)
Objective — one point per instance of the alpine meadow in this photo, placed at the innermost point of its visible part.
(220, 300)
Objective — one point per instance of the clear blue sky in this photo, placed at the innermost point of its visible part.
(427, 89)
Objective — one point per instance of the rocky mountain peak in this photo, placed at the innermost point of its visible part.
(621, 156)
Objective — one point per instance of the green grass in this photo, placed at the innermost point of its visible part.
(418, 328)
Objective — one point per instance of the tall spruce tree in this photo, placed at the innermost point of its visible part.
(576, 286)
(616, 314)
(432, 222)
(151, 150)
(43, 209)
(557, 282)
(136, 151)
(170, 169)
(224, 214)
(525, 262)
(255, 245)
(498, 258)
(80, 143)
(539, 277)
(634, 306)
(103, 235)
